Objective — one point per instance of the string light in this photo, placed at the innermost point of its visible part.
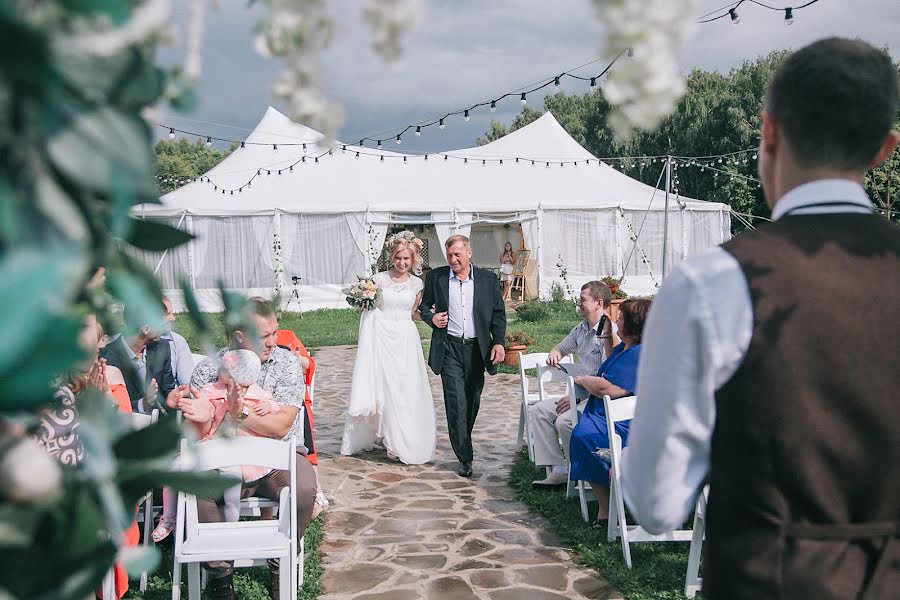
(399, 141)
(493, 106)
(418, 130)
(441, 126)
(523, 100)
(171, 133)
(730, 10)
(208, 141)
(379, 144)
(556, 81)
(466, 117)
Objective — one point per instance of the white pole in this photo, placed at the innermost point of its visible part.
(666, 214)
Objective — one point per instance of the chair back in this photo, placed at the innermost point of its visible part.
(547, 374)
(142, 421)
(533, 360)
(618, 410)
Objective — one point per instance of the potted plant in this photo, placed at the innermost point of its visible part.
(516, 342)
(614, 284)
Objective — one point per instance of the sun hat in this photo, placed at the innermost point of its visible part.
(242, 365)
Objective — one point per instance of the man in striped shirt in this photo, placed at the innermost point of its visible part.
(551, 420)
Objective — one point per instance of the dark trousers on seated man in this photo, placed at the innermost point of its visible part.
(211, 510)
(462, 378)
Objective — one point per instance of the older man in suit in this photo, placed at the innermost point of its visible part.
(464, 308)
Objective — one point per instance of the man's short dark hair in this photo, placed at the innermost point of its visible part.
(835, 100)
(261, 307)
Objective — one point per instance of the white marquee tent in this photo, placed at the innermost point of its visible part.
(331, 213)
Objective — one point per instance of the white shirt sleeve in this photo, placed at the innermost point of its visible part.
(696, 336)
(184, 367)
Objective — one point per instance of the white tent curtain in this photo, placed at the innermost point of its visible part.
(324, 252)
(175, 264)
(584, 242)
(368, 231)
(444, 228)
(234, 250)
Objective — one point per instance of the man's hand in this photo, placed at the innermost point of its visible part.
(152, 393)
(498, 353)
(554, 357)
(440, 319)
(563, 405)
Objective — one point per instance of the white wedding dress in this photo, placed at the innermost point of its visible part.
(390, 397)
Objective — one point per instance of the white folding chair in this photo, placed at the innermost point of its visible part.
(534, 360)
(622, 409)
(693, 582)
(247, 543)
(312, 390)
(527, 398)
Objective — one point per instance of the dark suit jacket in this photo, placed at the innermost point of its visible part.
(159, 367)
(488, 310)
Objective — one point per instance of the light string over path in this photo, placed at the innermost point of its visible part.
(730, 10)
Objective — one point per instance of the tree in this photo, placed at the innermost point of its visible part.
(177, 162)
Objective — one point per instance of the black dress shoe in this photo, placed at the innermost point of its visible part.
(465, 470)
(221, 588)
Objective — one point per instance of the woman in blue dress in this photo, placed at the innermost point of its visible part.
(616, 377)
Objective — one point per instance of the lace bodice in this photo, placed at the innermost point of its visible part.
(397, 299)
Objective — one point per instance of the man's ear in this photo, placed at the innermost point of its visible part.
(887, 148)
(239, 336)
(770, 133)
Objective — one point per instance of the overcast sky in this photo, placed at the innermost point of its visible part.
(467, 51)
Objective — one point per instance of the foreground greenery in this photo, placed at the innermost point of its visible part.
(659, 568)
(249, 584)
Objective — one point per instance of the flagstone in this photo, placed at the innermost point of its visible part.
(403, 532)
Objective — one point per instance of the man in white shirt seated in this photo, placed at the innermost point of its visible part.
(551, 420)
(182, 359)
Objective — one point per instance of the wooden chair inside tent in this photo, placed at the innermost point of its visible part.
(519, 272)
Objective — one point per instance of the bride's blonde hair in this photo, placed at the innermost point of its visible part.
(398, 243)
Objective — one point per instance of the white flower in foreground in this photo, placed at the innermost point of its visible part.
(390, 19)
(29, 474)
(646, 87)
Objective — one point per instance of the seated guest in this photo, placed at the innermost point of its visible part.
(182, 362)
(145, 363)
(288, 340)
(551, 420)
(281, 375)
(616, 378)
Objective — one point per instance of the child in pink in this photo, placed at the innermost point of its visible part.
(239, 371)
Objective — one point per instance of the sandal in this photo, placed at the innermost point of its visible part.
(600, 523)
(320, 504)
(163, 529)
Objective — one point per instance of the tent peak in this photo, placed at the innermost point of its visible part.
(276, 128)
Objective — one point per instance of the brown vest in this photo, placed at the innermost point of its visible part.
(805, 462)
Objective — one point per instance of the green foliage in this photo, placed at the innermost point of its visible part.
(533, 311)
(518, 337)
(77, 156)
(883, 183)
(178, 161)
(557, 293)
(659, 567)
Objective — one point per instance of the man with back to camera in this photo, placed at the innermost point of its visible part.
(747, 379)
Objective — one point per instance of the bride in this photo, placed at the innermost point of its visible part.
(390, 397)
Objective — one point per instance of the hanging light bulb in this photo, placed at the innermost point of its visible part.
(789, 16)
(357, 154)
(208, 141)
(441, 124)
(418, 130)
(361, 143)
(493, 106)
(755, 156)
(404, 160)
(630, 52)
(344, 149)
(379, 144)
(523, 100)
(426, 158)
(483, 162)
(465, 161)
(735, 18)
(593, 82)
(399, 141)
(556, 81)
(466, 115)
(242, 146)
(274, 146)
(382, 158)
(171, 133)
(291, 169)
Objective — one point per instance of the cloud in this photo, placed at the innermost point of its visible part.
(467, 51)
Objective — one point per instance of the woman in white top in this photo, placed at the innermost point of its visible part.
(390, 397)
(507, 262)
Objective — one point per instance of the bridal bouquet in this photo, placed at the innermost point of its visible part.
(364, 294)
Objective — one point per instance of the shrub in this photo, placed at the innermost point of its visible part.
(533, 311)
(557, 293)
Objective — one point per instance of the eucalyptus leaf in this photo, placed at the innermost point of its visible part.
(139, 559)
(207, 484)
(140, 86)
(159, 440)
(18, 524)
(96, 143)
(143, 306)
(156, 236)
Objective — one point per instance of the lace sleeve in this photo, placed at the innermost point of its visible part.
(418, 285)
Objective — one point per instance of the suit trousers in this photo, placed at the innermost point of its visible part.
(549, 429)
(212, 510)
(462, 378)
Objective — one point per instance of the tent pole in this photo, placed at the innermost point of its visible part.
(666, 214)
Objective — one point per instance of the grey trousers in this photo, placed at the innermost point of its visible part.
(462, 378)
(212, 510)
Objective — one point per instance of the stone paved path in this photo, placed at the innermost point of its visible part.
(398, 532)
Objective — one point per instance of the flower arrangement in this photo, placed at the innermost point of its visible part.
(615, 286)
(278, 267)
(363, 294)
(407, 236)
(518, 338)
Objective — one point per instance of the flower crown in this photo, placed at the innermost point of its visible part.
(406, 236)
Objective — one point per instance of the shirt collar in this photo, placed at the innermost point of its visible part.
(131, 353)
(471, 276)
(840, 191)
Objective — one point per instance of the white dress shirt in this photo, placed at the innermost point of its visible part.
(695, 338)
(460, 317)
(182, 359)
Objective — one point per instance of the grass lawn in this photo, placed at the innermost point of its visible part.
(249, 584)
(659, 567)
